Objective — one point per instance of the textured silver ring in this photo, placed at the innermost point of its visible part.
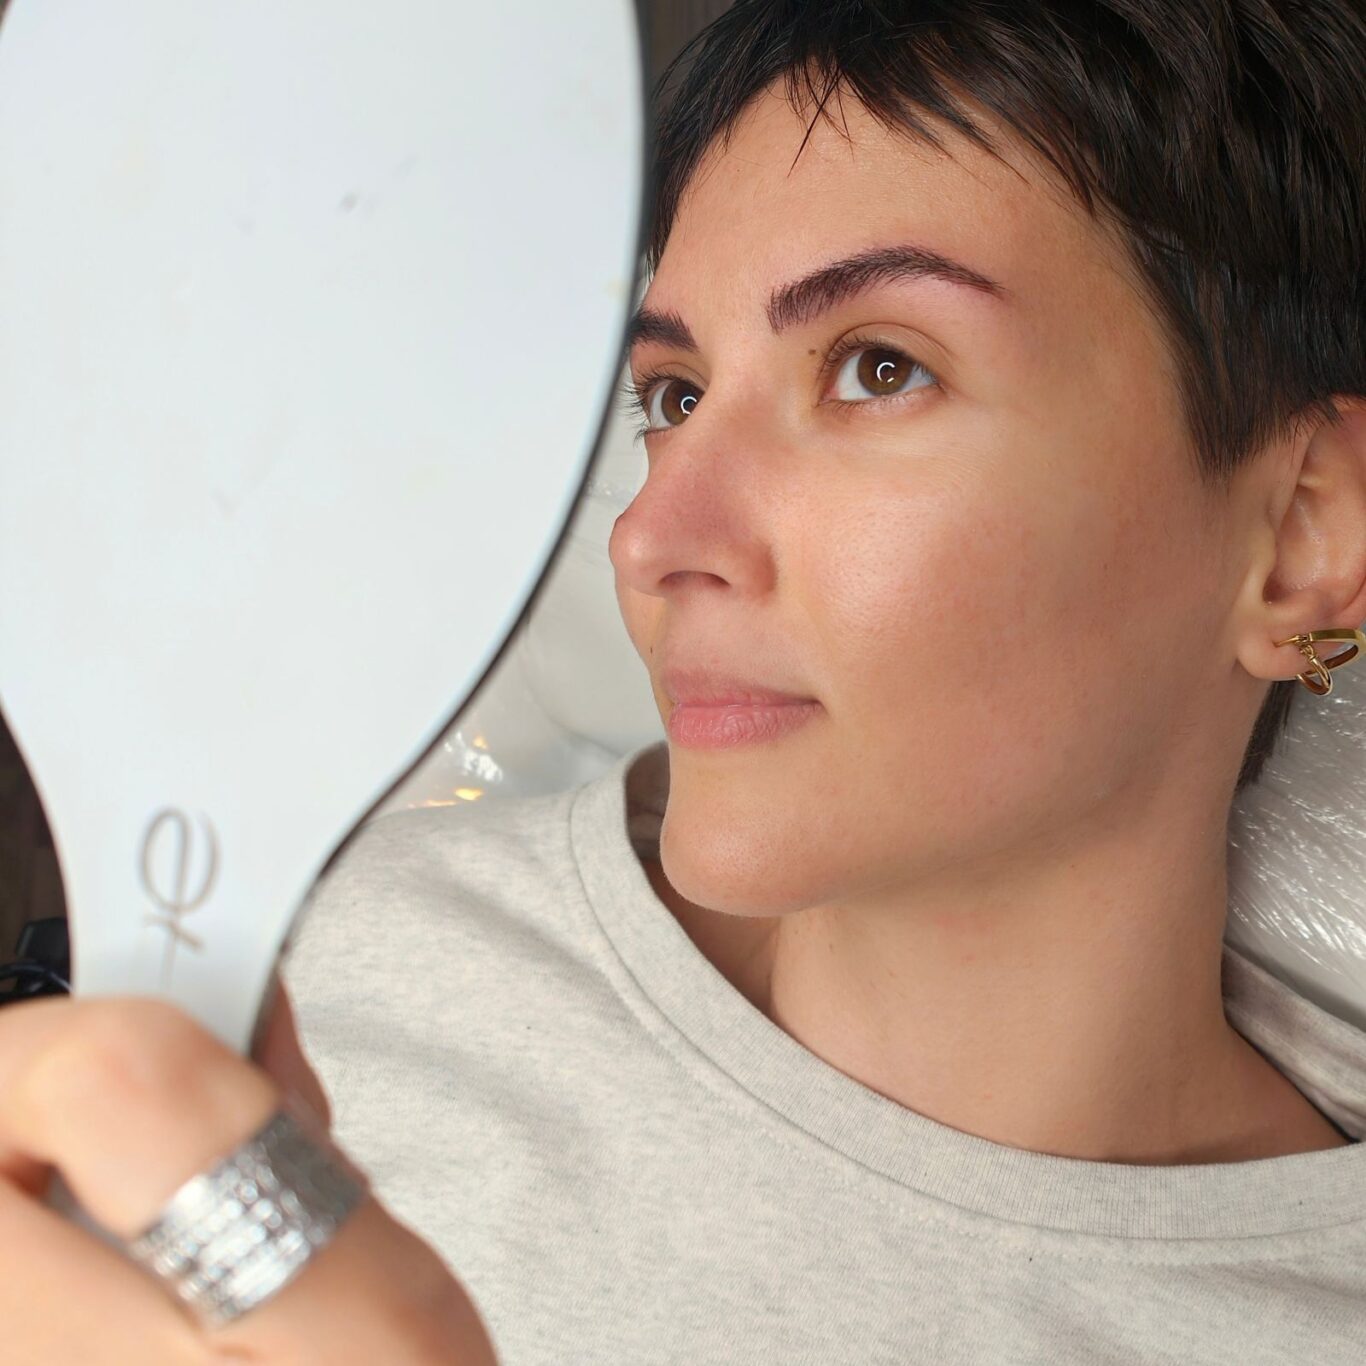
(235, 1235)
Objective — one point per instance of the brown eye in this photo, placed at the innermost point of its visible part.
(876, 372)
(670, 401)
(883, 372)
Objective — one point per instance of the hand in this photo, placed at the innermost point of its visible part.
(129, 1097)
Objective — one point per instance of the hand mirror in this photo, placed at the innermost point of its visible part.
(309, 319)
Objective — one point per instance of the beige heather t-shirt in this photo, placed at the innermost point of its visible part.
(626, 1163)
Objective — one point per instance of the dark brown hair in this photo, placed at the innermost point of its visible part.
(1225, 138)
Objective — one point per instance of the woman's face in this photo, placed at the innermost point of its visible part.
(975, 535)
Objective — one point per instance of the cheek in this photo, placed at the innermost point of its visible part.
(984, 633)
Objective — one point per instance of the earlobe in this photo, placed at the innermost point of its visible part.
(1315, 595)
(1316, 677)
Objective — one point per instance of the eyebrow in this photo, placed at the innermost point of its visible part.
(805, 299)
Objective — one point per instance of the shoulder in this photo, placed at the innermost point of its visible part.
(476, 846)
(443, 881)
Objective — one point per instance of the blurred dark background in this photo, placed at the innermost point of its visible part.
(30, 885)
(30, 881)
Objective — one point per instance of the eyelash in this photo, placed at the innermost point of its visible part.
(639, 393)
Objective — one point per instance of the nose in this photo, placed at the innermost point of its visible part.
(699, 519)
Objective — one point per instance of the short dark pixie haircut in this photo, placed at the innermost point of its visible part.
(1225, 139)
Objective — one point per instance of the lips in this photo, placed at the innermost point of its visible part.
(708, 688)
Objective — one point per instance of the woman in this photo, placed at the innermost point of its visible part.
(883, 1014)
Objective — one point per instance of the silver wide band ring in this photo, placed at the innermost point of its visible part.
(232, 1237)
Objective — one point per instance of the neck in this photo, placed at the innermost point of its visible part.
(1073, 1006)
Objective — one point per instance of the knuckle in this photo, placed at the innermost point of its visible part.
(119, 1052)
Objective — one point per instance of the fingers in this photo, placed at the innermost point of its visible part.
(279, 1052)
(25, 1173)
(129, 1096)
(375, 1293)
(68, 1300)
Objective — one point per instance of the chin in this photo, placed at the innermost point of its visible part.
(732, 875)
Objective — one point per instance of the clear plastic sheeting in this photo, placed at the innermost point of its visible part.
(1297, 851)
(570, 695)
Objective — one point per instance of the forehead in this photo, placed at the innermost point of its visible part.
(786, 194)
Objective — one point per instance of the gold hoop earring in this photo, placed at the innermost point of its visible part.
(1318, 680)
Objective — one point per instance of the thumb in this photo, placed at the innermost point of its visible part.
(278, 1053)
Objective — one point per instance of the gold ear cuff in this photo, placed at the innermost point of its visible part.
(1317, 679)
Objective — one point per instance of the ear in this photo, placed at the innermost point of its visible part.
(1310, 573)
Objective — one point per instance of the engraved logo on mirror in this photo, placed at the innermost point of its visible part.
(172, 848)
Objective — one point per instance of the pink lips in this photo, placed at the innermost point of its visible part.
(722, 727)
(713, 711)
(699, 688)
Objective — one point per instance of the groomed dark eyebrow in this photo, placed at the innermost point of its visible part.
(649, 325)
(805, 299)
(816, 293)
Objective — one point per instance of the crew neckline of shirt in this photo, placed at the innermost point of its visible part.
(668, 979)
